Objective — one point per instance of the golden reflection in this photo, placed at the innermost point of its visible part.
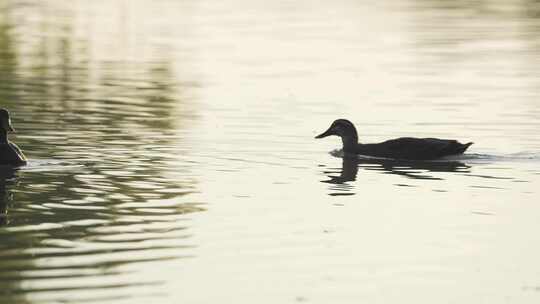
(98, 124)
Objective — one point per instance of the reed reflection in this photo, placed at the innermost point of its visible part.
(102, 189)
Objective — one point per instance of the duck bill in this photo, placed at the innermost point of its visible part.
(325, 134)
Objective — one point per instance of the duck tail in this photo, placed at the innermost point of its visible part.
(464, 147)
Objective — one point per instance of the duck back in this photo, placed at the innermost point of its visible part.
(413, 148)
(11, 155)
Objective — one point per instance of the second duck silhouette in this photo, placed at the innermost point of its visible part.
(410, 148)
(10, 154)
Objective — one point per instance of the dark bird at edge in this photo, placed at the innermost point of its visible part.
(409, 148)
(10, 154)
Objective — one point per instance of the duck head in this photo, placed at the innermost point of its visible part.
(5, 121)
(341, 128)
(344, 129)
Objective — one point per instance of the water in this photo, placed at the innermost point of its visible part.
(172, 156)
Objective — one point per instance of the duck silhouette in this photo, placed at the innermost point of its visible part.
(10, 154)
(405, 148)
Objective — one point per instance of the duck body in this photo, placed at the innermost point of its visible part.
(10, 154)
(406, 148)
(412, 148)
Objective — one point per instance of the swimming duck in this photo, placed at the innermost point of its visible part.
(10, 154)
(400, 148)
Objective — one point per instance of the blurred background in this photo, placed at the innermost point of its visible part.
(172, 155)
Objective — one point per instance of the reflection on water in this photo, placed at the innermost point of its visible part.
(7, 178)
(423, 170)
(103, 189)
(410, 169)
(172, 155)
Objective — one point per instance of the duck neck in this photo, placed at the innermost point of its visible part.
(349, 143)
(3, 136)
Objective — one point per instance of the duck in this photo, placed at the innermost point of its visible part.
(10, 154)
(403, 148)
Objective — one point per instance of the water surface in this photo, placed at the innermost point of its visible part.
(172, 156)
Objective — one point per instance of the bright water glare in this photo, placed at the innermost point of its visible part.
(172, 151)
